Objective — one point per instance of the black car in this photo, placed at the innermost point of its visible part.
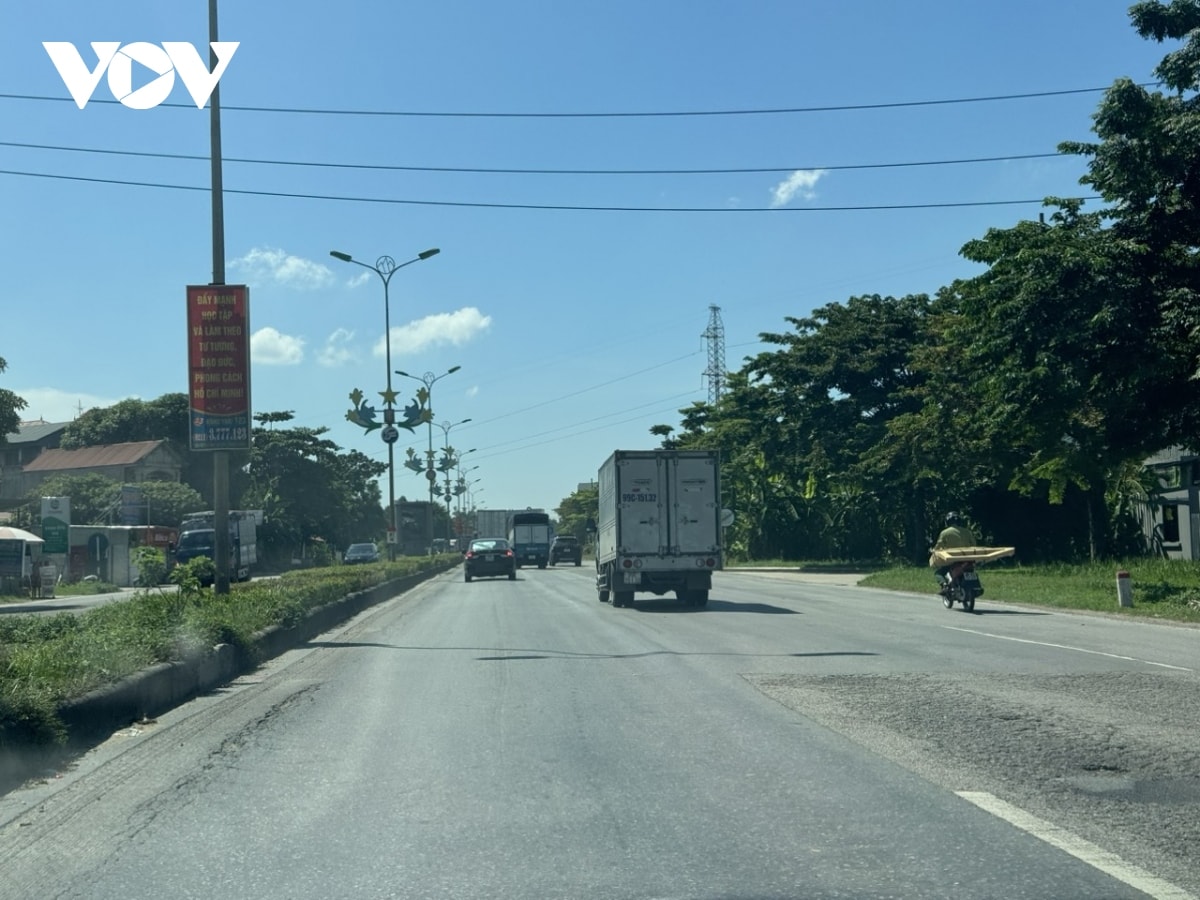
(361, 553)
(489, 556)
(566, 546)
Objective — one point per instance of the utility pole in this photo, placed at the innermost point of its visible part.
(715, 373)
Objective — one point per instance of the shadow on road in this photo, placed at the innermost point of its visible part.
(1005, 612)
(674, 606)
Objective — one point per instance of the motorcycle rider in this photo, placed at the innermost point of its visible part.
(956, 534)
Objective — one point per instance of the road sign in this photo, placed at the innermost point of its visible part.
(391, 535)
(726, 518)
(390, 434)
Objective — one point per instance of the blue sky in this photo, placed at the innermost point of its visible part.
(576, 330)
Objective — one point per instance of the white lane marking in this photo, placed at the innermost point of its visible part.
(1003, 637)
(1096, 857)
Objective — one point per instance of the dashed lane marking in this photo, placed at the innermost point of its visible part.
(1004, 637)
(1096, 857)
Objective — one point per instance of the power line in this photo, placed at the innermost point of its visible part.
(594, 387)
(849, 107)
(561, 207)
(476, 170)
(588, 421)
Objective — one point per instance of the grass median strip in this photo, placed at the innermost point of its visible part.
(47, 660)
(1162, 588)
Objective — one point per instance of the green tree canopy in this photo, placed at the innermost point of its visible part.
(310, 488)
(169, 501)
(10, 408)
(95, 498)
(162, 419)
(575, 510)
(1146, 165)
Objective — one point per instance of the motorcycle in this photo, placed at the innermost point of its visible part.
(960, 584)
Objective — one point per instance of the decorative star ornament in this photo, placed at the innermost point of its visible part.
(362, 415)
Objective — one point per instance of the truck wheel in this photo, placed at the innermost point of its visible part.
(622, 598)
(541, 565)
(700, 598)
(603, 596)
(467, 577)
(579, 562)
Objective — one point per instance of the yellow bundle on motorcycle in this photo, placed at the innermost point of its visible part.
(949, 556)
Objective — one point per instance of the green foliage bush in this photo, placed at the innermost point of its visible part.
(45, 660)
(151, 566)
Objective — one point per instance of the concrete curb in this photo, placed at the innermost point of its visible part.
(151, 692)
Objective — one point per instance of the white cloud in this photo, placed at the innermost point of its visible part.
(799, 183)
(473, 390)
(267, 263)
(271, 348)
(56, 405)
(456, 328)
(336, 351)
(359, 280)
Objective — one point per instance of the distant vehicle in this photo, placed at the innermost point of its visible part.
(361, 553)
(489, 557)
(491, 522)
(566, 547)
(529, 535)
(197, 537)
(659, 527)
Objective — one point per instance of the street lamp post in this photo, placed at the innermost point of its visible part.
(429, 380)
(450, 461)
(463, 491)
(385, 267)
(461, 484)
(471, 502)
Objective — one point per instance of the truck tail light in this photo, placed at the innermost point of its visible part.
(710, 562)
(627, 563)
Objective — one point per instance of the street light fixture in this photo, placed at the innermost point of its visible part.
(450, 461)
(463, 489)
(461, 484)
(385, 267)
(429, 380)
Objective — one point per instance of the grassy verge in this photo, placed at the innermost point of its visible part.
(1162, 589)
(45, 660)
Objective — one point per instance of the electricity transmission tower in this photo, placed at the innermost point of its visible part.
(715, 373)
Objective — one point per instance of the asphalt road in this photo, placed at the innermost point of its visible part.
(521, 740)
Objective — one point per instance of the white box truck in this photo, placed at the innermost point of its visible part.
(491, 523)
(659, 525)
(197, 538)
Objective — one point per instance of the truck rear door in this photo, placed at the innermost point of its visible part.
(641, 505)
(693, 511)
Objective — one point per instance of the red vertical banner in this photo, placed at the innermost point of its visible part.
(218, 322)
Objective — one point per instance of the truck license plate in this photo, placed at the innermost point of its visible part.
(633, 578)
